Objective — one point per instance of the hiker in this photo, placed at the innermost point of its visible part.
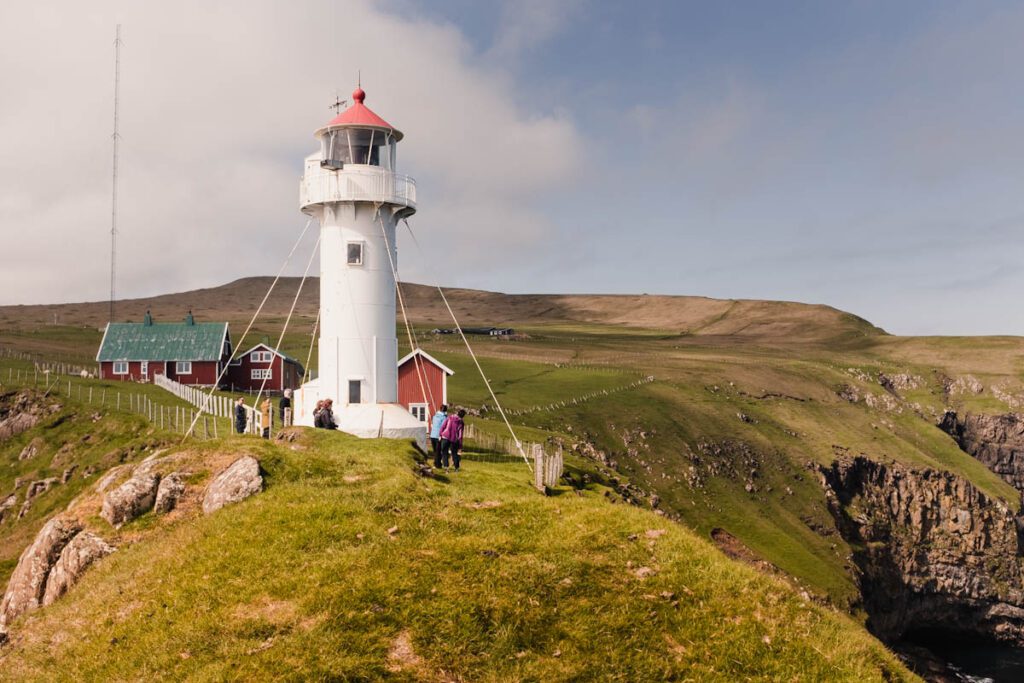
(240, 415)
(265, 411)
(326, 419)
(451, 438)
(435, 433)
(286, 404)
(316, 413)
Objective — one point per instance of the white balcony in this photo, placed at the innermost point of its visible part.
(357, 184)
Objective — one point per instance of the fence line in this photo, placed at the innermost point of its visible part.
(218, 406)
(582, 399)
(548, 460)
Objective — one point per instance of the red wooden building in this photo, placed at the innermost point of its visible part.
(248, 371)
(187, 352)
(423, 397)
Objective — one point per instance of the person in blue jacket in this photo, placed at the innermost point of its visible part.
(435, 433)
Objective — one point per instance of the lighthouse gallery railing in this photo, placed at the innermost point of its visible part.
(353, 184)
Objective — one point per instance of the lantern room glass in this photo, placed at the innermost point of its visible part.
(363, 146)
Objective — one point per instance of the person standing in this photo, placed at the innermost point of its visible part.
(435, 433)
(451, 438)
(286, 405)
(240, 415)
(265, 412)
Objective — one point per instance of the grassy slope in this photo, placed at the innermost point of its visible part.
(777, 364)
(305, 581)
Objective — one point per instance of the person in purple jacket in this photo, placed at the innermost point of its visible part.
(451, 438)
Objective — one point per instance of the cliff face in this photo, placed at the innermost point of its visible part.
(932, 551)
(995, 440)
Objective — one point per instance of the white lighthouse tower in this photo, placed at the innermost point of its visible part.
(350, 186)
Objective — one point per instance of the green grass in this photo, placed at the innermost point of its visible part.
(304, 581)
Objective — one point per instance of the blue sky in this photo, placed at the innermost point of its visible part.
(867, 155)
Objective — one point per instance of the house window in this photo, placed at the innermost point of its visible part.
(120, 367)
(354, 253)
(144, 368)
(419, 411)
(355, 389)
(261, 356)
(262, 373)
(235, 362)
(183, 367)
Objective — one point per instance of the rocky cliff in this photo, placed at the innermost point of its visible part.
(995, 440)
(931, 550)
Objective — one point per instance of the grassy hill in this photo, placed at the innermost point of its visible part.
(350, 566)
(747, 398)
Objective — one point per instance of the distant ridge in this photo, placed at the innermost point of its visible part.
(765, 321)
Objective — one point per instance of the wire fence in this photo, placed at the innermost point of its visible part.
(583, 398)
(548, 460)
(215, 406)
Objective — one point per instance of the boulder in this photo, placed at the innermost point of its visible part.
(239, 481)
(27, 586)
(77, 556)
(16, 424)
(131, 499)
(32, 449)
(6, 504)
(167, 495)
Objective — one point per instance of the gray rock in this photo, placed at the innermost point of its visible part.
(75, 558)
(34, 489)
(16, 424)
(171, 489)
(27, 586)
(6, 504)
(107, 479)
(239, 481)
(32, 449)
(131, 499)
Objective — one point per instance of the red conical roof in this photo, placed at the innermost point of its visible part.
(360, 115)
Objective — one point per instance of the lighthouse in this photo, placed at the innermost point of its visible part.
(352, 188)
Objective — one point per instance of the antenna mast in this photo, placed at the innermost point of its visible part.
(116, 138)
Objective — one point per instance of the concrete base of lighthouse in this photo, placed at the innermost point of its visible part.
(365, 420)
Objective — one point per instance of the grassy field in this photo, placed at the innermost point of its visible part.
(745, 401)
(350, 567)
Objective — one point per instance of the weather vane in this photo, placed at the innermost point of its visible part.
(338, 104)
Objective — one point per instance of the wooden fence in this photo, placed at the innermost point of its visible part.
(546, 459)
(216, 406)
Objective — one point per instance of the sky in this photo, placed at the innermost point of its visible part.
(866, 155)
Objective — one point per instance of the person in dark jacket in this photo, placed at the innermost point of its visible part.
(240, 415)
(326, 418)
(451, 439)
(286, 404)
(316, 413)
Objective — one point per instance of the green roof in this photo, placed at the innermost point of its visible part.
(162, 341)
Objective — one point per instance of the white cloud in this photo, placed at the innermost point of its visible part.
(219, 101)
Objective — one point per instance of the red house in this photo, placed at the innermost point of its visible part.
(248, 371)
(422, 398)
(187, 352)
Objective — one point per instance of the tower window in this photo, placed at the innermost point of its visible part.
(355, 387)
(354, 253)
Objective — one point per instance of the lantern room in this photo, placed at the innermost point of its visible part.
(358, 136)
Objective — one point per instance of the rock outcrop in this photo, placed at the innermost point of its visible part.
(932, 551)
(21, 411)
(131, 499)
(75, 558)
(27, 587)
(239, 481)
(32, 449)
(995, 440)
(171, 489)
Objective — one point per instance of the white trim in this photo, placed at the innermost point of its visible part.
(422, 406)
(265, 346)
(261, 373)
(115, 363)
(261, 356)
(102, 342)
(447, 370)
(177, 367)
(144, 368)
(224, 338)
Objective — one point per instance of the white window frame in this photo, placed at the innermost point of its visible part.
(183, 367)
(120, 367)
(422, 407)
(261, 357)
(362, 253)
(261, 373)
(144, 368)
